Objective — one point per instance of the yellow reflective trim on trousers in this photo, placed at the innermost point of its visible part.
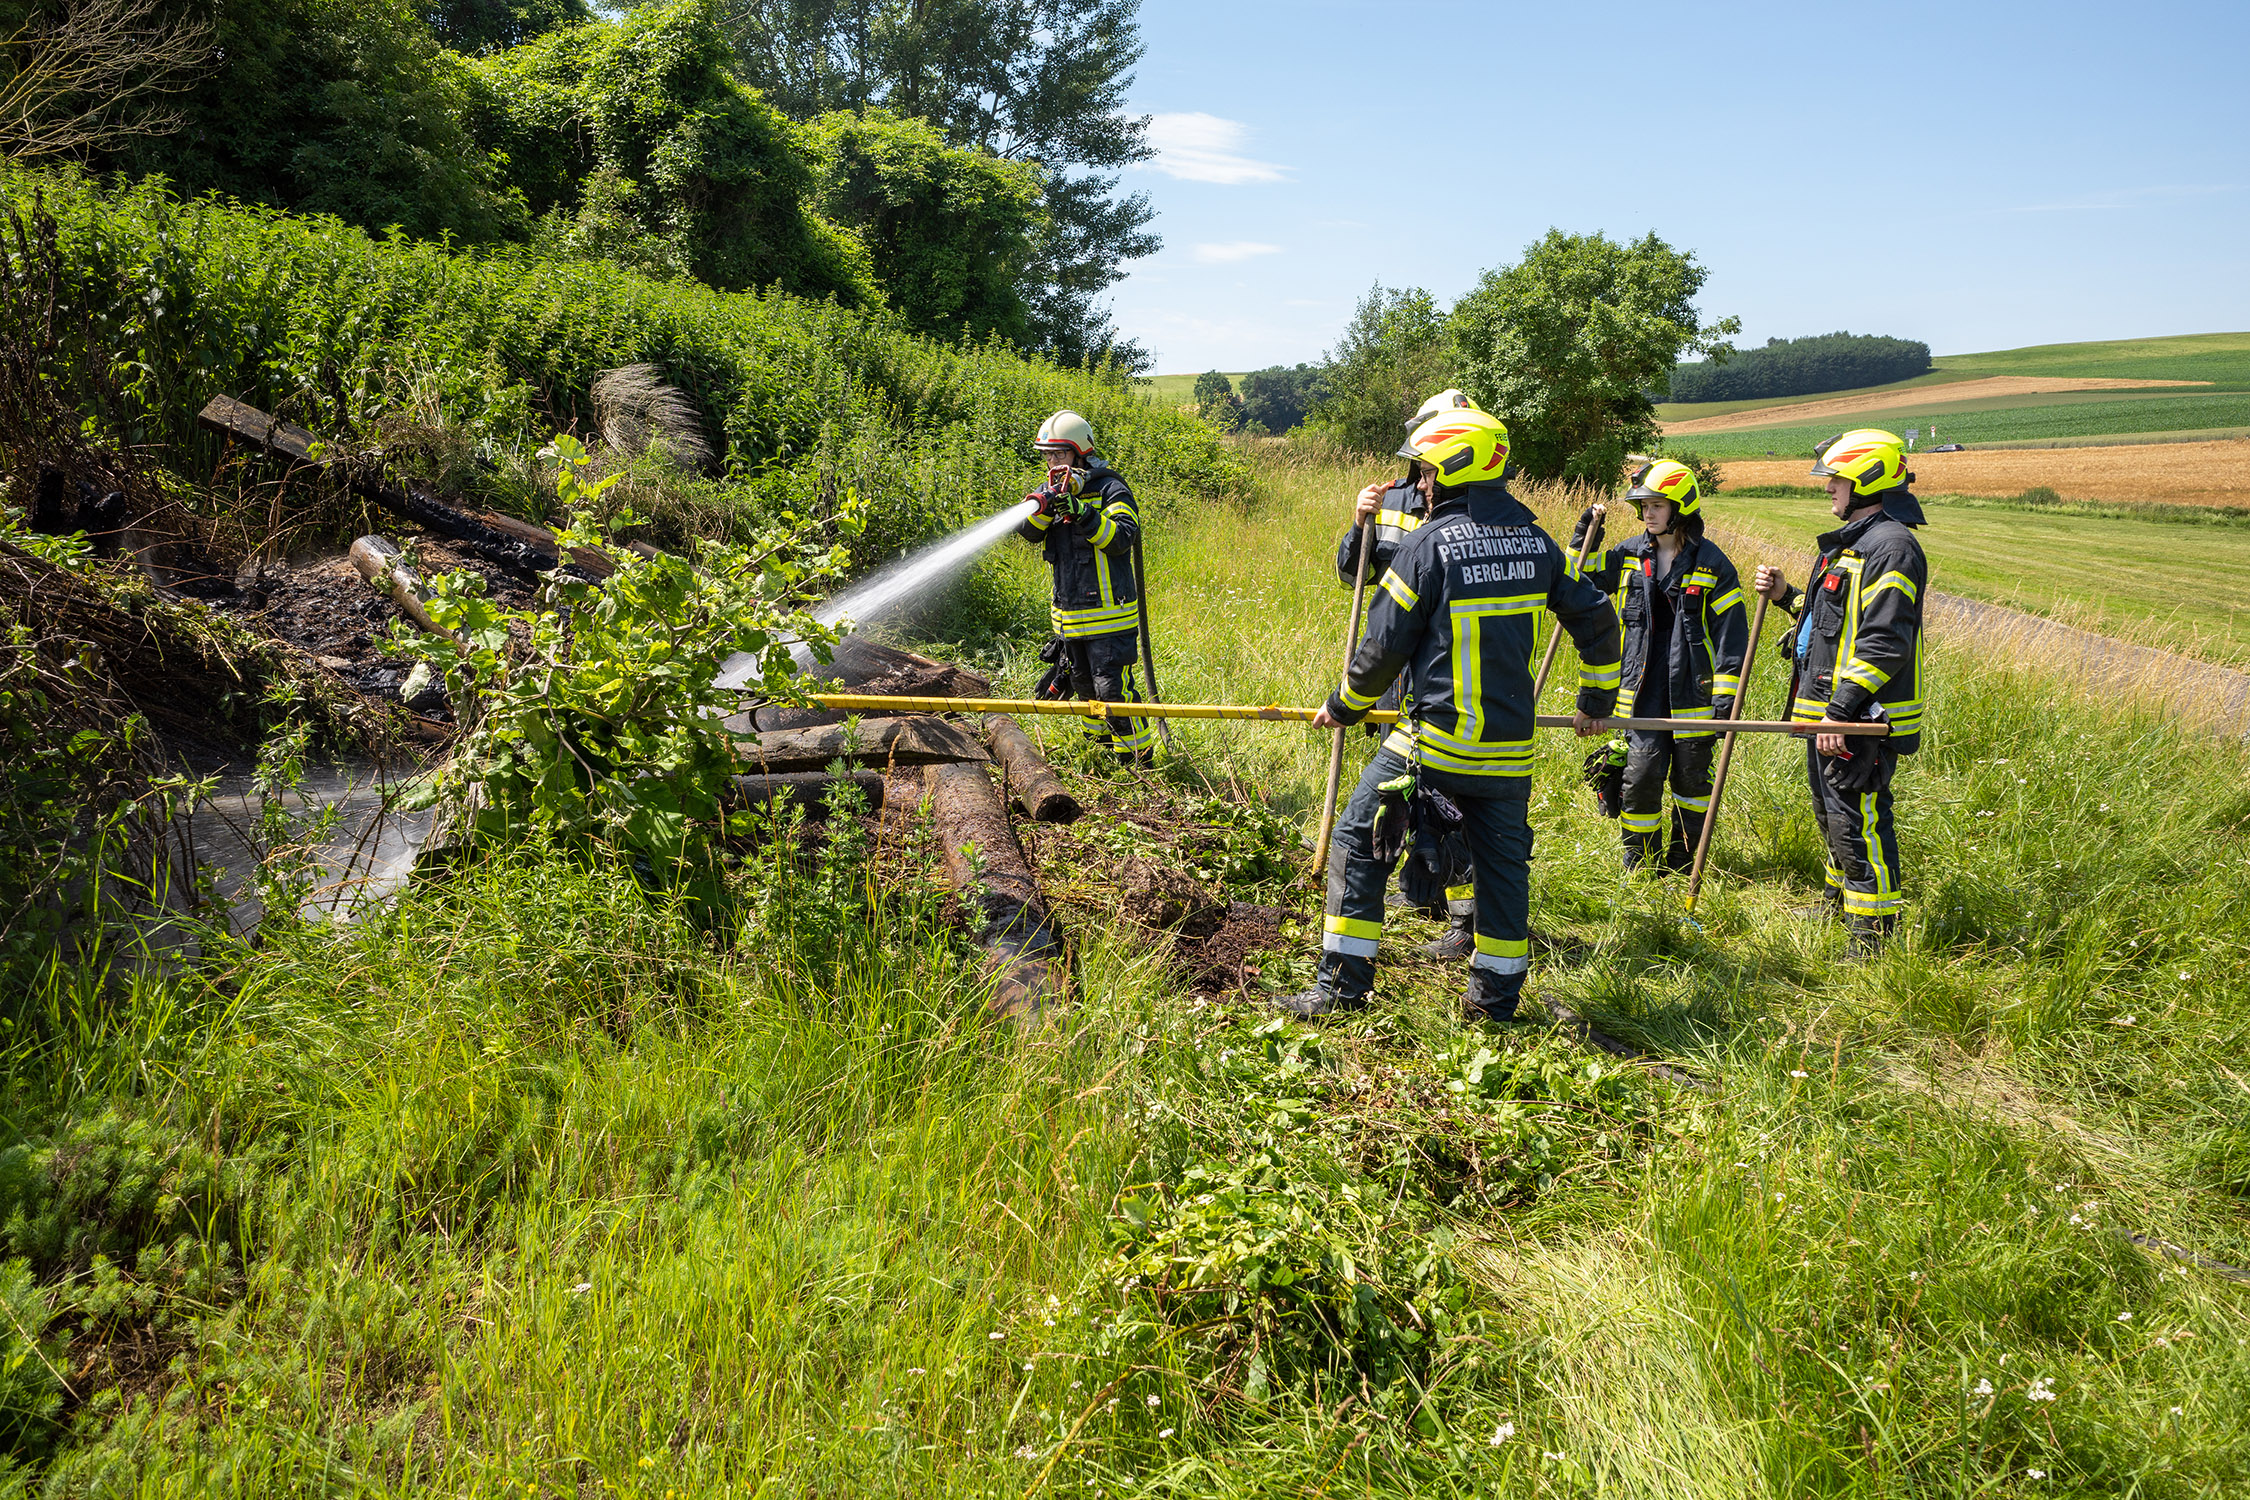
(1503, 947)
(1835, 877)
(1143, 738)
(1869, 904)
(1395, 586)
(1641, 822)
(1692, 804)
(1076, 623)
(1352, 926)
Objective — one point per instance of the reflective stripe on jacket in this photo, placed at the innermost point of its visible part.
(1397, 515)
(1091, 554)
(1456, 611)
(1865, 598)
(1710, 624)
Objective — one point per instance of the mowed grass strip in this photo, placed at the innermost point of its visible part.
(2059, 417)
(2203, 472)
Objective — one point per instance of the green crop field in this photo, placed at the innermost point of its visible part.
(2120, 573)
(2221, 358)
(2081, 416)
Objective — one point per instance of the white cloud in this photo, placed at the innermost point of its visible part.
(1196, 147)
(1232, 251)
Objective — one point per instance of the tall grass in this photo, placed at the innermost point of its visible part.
(539, 1185)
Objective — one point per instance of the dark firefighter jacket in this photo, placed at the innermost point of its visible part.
(1456, 611)
(1710, 626)
(1397, 514)
(1865, 602)
(1091, 554)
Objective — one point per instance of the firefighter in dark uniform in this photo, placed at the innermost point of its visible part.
(1397, 509)
(1087, 522)
(1686, 627)
(1857, 654)
(1455, 612)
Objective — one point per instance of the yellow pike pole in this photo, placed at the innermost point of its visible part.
(1336, 747)
(1094, 708)
(1577, 564)
(1726, 757)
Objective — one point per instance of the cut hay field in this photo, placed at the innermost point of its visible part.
(2185, 473)
(2121, 576)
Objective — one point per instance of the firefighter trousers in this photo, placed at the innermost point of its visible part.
(1863, 864)
(1496, 824)
(1653, 756)
(1101, 669)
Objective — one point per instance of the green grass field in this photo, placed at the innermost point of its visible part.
(1177, 390)
(2119, 573)
(545, 1184)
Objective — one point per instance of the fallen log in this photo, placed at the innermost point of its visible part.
(985, 864)
(501, 540)
(807, 789)
(382, 564)
(1025, 775)
(921, 740)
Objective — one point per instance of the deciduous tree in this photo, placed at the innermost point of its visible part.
(1567, 343)
(1392, 357)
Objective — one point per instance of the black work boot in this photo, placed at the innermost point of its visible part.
(1315, 1003)
(1869, 935)
(1491, 998)
(1458, 945)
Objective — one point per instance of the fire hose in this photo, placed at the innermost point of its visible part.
(1094, 708)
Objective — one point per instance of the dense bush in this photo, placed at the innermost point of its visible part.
(343, 107)
(716, 171)
(1803, 367)
(318, 322)
(1392, 358)
(1278, 397)
(950, 232)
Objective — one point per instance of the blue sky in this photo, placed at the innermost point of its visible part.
(1979, 176)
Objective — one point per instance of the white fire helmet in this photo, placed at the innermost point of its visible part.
(1067, 429)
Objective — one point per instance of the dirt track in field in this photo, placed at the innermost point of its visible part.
(2212, 473)
(1917, 397)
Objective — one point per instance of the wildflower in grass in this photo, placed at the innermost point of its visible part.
(1983, 1387)
(1501, 1434)
(2042, 1388)
(2076, 1220)
(1027, 1453)
(2177, 1412)
(917, 1370)
(996, 1337)
(1553, 1458)
(1167, 1432)
(1798, 1073)
(2126, 1316)
(1156, 1400)
(583, 1286)
(2035, 1473)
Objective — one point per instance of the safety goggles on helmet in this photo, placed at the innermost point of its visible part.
(1445, 400)
(1463, 446)
(1873, 460)
(1668, 479)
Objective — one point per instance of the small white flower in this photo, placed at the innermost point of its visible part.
(1027, 1369)
(2127, 1020)
(1984, 1388)
(2176, 1411)
(2076, 1220)
(1501, 1434)
(2041, 1389)
(1798, 1073)
(2035, 1473)
(2125, 1317)
(1167, 1432)
(583, 1286)
(1156, 1400)
(1027, 1453)
(917, 1370)
(1553, 1458)
(2184, 974)
(996, 1337)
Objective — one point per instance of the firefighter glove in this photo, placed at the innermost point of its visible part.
(1604, 772)
(1578, 532)
(1865, 763)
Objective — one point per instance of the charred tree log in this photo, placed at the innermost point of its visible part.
(986, 865)
(382, 564)
(1030, 782)
(503, 541)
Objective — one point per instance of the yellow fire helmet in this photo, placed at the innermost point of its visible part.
(1464, 446)
(1872, 459)
(1445, 400)
(1067, 429)
(1667, 479)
